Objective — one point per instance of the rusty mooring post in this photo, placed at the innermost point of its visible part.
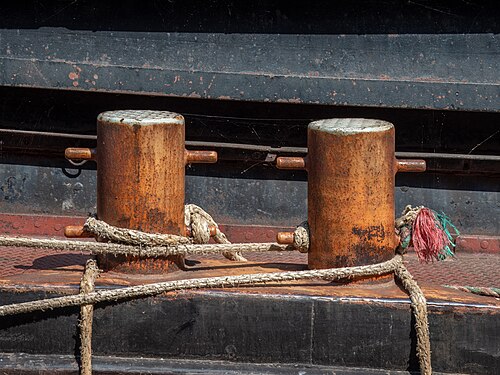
(140, 178)
(351, 172)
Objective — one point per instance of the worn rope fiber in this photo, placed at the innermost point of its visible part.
(395, 265)
(104, 231)
(137, 250)
(301, 237)
(86, 317)
(149, 290)
(200, 221)
(480, 290)
(136, 243)
(419, 307)
(194, 217)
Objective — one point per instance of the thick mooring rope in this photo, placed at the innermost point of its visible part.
(104, 231)
(301, 237)
(136, 243)
(141, 244)
(419, 307)
(195, 218)
(138, 250)
(86, 317)
(149, 290)
(394, 265)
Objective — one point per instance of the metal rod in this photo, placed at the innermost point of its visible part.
(76, 231)
(204, 157)
(263, 148)
(285, 238)
(291, 162)
(410, 165)
(80, 153)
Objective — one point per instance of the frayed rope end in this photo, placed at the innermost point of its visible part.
(428, 231)
(431, 236)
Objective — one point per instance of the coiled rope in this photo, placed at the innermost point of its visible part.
(200, 221)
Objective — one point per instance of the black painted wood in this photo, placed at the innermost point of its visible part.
(259, 16)
(266, 329)
(406, 71)
(27, 364)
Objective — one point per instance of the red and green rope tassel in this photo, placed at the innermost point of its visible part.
(428, 231)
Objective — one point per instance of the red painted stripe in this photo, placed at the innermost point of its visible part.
(53, 226)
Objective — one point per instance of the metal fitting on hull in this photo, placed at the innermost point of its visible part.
(351, 169)
(140, 179)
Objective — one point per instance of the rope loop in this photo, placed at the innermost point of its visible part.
(200, 228)
(301, 237)
(109, 233)
(200, 221)
(135, 242)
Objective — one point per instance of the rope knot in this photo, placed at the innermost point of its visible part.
(301, 237)
(408, 216)
(200, 227)
(199, 221)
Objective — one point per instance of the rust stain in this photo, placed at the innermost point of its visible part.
(142, 182)
(350, 194)
(374, 232)
(291, 162)
(140, 185)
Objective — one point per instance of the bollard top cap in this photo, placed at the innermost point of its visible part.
(346, 126)
(140, 117)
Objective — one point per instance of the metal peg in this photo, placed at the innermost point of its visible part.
(80, 153)
(291, 162)
(285, 238)
(410, 165)
(204, 157)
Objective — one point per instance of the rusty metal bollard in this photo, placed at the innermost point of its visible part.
(351, 174)
(141, 159)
